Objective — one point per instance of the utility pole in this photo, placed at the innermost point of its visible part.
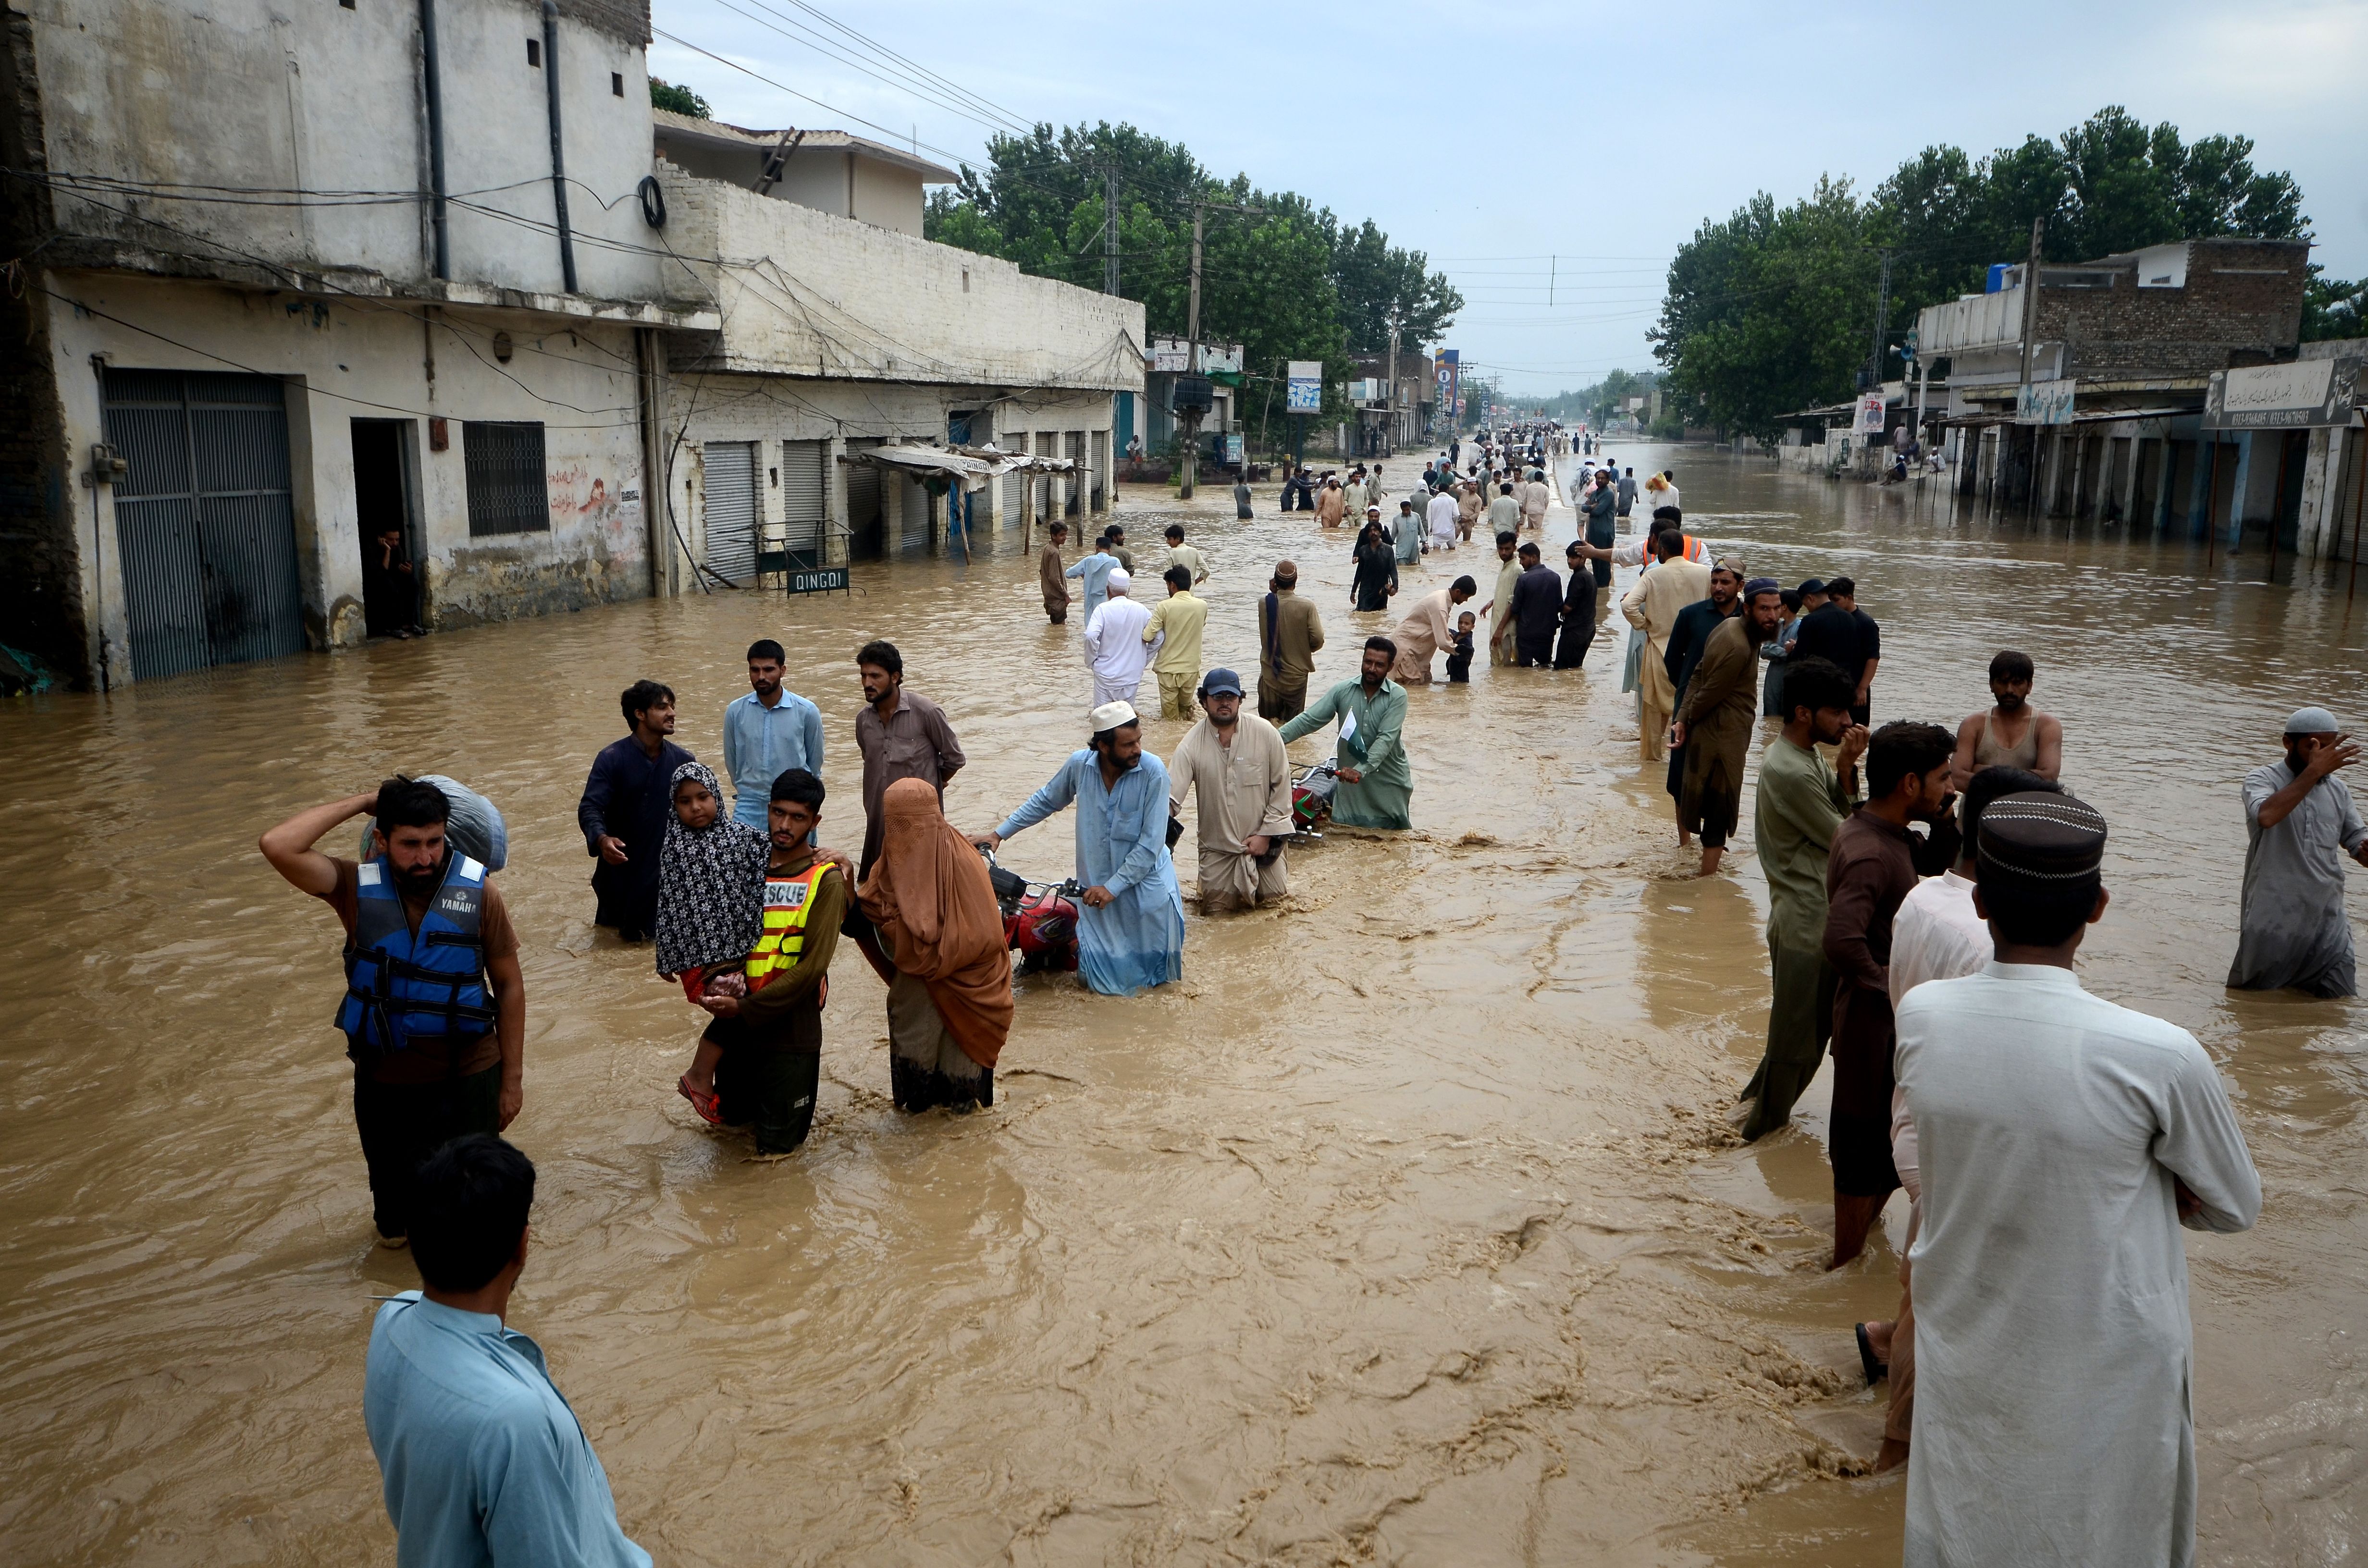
(1389, 403)
(1193, 335)
(2030, 345)
(1110, 231)
(1881, 320)
(1192, 359)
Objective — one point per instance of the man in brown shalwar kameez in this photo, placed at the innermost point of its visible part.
(1715, 719)
(1869, 873)
(1051, 576)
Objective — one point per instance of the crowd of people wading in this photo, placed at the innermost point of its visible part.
(1929, 889)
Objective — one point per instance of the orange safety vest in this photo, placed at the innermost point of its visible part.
(777, 952)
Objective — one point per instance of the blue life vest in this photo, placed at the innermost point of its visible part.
(403, 989)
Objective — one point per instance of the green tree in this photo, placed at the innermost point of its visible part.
(2106, 186)
(1288, 281)
(681, 101)
(2332, 307)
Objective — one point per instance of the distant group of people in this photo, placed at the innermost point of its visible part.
(1929, 889)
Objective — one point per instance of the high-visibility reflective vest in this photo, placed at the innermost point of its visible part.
(404, 987)
(787, 899)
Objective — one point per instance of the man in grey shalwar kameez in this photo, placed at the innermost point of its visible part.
(2298, 815)
(2063, 1141)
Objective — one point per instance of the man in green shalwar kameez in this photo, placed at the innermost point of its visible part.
(1801, 805)
(1376, 785)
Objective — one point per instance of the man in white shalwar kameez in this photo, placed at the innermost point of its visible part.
(1114, 644)
(2063, 1141)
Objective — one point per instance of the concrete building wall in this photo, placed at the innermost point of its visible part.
(343, 360)
(806, 294)
(768, 410)
(323, 108)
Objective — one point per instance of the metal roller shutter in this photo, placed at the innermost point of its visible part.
(732, 510)
(803, 497)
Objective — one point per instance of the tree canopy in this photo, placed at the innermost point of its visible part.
(1773, 309)
(681, 101)
(1287, 280)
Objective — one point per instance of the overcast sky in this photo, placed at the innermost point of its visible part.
(1598, 137)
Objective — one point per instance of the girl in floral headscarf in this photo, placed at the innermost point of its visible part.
(710, 909)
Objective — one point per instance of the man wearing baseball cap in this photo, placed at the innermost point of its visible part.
(1130, 917)
(2299, 818)
(1233, 766)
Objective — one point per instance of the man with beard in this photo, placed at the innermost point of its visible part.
(1716, 719)
(1130, 920)
(2011, 735)
(1376, 784)
(2293, 931)
(1689, 635)
(1869, 874)
(435, 1007)
(627, 801)
(1233, 766)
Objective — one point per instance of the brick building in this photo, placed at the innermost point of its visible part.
(2137, 337)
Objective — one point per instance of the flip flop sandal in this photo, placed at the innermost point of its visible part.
(705, 1105)
(1875, 1371)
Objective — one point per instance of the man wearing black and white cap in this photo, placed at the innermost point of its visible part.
(1234, 766)
(2063, 1141)
(2298, 816)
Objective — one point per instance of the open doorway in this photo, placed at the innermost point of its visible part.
(387, 523)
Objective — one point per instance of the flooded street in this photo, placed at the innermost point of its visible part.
(1408, 1228)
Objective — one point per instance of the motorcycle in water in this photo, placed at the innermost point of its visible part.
(1311, 799)
(1040, 919)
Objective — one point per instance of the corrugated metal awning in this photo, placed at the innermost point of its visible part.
(968, 468)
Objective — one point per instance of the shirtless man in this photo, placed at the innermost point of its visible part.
(2011, 735)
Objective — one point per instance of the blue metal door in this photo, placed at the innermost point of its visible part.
(205, 526)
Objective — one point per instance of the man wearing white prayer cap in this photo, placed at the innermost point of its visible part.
(1131, 919)
(2300, 820)
(1114, 645)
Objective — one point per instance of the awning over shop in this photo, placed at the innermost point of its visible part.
(2093, 416)
(966, 469)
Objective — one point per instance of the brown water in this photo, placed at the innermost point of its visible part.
(1406, 1229)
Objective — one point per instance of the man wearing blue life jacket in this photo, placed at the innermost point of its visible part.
(434, 1011)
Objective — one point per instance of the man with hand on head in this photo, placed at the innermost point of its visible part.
(434, 1012)
(2300, 822)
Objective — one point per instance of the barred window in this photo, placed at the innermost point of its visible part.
(508, 493)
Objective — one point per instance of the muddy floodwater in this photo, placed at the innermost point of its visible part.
(1406, 1228)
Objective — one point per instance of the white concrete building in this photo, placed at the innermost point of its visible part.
(294, 276)
(840, 334)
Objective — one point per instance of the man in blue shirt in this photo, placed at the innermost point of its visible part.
(1131, 919)
(484, 1462)
(1095, 570)
(766, 733)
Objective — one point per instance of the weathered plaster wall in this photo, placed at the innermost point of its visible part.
(347, 360)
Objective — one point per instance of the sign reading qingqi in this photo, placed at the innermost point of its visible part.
(818, 580)
(2301, 395)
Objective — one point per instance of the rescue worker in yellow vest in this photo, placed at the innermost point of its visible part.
(771, 1039)
(434, 1010)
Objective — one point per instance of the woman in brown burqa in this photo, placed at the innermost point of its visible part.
(950, 987)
